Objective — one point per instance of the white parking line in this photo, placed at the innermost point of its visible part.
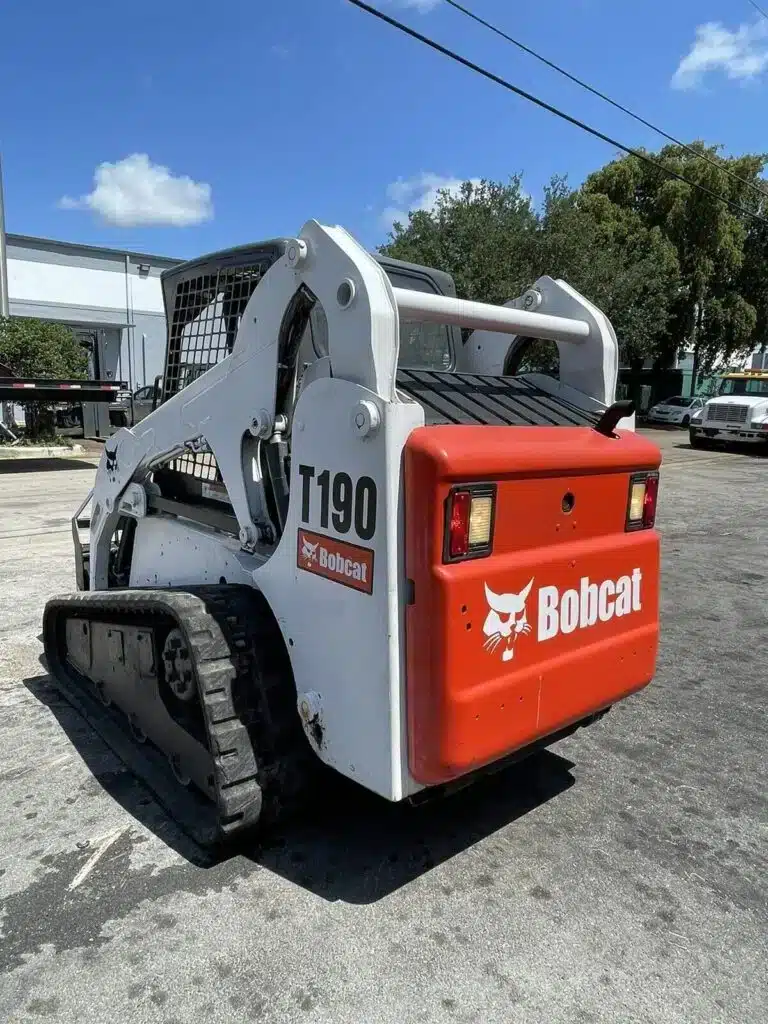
(104, 844)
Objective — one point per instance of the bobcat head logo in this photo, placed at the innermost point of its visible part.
(309, 551)
(111, 461)
(505, 621)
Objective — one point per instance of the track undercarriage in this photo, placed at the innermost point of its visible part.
(190, 685)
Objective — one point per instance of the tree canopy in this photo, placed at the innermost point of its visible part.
(671, 266)
(37, 348)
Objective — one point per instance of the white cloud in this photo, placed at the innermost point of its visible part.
(134, 191)
(740, 55)
(418, 193)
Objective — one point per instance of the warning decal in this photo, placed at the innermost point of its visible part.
(335, 560)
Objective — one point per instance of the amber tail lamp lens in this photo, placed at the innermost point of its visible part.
(469, 522)
(643, 495)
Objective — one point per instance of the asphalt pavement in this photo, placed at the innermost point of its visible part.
(619, 877)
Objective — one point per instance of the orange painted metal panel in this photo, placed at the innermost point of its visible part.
(559, 621)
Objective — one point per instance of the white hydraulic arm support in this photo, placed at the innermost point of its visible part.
(552, 311)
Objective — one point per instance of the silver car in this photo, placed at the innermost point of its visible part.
(677, 410)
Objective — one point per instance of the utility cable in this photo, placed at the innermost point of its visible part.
(759, 9)
(433, 44)
(607, 99)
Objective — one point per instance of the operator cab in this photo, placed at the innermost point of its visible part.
(205, 300)
(423, 345)
(440, 367)
(748, 382)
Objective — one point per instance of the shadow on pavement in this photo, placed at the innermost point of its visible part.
(44, 465)
(359, 848)
(751, 450)
(353, 846)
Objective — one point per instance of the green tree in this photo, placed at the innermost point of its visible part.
(754, 272)
(36, 348)
(494, 244)
(630, 271)
(710, 314)
(484, 237)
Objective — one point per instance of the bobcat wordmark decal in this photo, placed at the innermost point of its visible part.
(335, 560)
(560, 611)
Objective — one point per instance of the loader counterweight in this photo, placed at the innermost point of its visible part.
(555, 620)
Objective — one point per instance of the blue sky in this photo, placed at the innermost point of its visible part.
(181, 128)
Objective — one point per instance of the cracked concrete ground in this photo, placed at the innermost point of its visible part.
(619, 877)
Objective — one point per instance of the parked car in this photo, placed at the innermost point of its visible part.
(677, 410)
(127, 413)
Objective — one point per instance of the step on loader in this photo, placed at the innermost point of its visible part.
(354, 534)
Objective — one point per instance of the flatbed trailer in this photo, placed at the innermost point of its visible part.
(23, 390)
(53, 391)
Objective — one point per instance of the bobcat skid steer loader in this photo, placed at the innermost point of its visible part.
(351, 533)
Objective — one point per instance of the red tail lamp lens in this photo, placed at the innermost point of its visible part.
(458, 525)
(649, 502)
(470, 515)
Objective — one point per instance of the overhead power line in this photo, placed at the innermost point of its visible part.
(607, 99)
(433, 44)
(759, 9)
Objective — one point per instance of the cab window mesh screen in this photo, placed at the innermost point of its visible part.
(206, 315)
(204, 320)
(200, 465)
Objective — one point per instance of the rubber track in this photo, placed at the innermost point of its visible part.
(261, 757)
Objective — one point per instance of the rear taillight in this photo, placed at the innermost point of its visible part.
(643, 494)
(458, 524)
(469, 522)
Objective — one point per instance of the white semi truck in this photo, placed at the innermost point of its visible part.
(737, 415)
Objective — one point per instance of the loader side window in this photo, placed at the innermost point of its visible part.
(533, 355)
(318, 330)
(204, 312)
(423, 346)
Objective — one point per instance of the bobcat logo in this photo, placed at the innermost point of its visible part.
(309, 551)
(111, 461)
(505, 621)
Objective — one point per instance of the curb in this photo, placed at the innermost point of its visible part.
(39, 452)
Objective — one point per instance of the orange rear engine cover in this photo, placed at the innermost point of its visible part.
(562, 618)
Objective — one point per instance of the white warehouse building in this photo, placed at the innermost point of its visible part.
(112, 300)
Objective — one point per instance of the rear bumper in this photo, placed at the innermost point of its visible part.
(740, 435)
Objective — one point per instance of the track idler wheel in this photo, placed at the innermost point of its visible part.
(179, 670)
